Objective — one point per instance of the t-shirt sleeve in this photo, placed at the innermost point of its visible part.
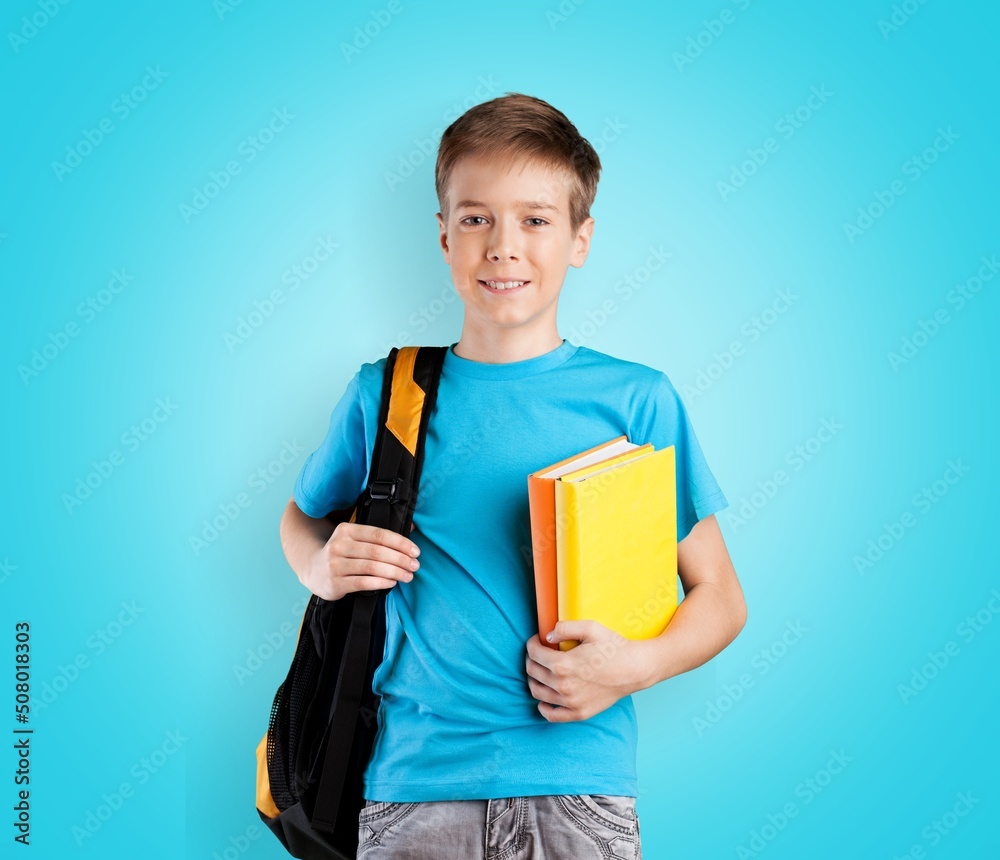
(698, 493)
(335, 473)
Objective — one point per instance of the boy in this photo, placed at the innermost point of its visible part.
(490, 743)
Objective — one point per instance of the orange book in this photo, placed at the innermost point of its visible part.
(542, 512)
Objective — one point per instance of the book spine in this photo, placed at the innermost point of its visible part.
(541, 511)
(568, 549)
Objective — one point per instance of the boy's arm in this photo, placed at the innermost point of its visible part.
(302, 537)
(709, 617)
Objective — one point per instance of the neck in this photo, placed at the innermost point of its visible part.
(504, 349)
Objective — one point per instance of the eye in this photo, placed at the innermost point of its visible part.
(542, 220)
(467, 218)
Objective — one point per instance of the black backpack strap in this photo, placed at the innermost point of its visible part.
(409, 391)
(391, 495)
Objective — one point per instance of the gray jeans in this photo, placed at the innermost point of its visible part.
(539, 827)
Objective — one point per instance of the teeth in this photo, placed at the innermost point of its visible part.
(504, 285)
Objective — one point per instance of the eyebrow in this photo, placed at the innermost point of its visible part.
(520, 204)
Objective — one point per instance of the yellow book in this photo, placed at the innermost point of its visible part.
(616, 543)
(542, 510)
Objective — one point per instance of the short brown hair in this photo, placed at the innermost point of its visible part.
(515, 126)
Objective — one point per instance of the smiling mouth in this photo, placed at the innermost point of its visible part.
(504, 286)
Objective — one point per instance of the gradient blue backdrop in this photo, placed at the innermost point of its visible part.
(117, 117)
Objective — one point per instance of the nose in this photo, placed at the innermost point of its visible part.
(502, 244)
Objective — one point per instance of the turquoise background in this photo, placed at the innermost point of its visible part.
(726, 750)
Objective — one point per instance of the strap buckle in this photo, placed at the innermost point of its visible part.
(383, 490)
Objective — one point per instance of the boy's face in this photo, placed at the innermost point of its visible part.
(510, 222)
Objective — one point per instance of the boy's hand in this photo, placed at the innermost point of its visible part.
(361, 558)
(587, 679)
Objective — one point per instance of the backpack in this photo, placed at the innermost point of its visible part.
(323, 723)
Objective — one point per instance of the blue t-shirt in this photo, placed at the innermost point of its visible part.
(457, 720)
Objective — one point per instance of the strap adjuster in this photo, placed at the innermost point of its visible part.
(382, 490)
(396, 490)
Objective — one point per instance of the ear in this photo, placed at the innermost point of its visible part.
(443, 238)
(581, 243)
